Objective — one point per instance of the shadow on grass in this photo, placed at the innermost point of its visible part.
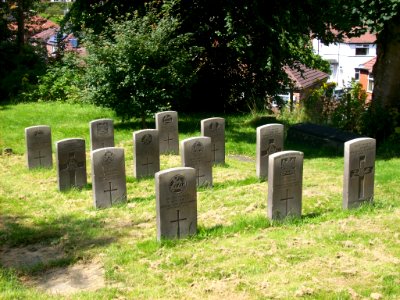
(72, 234)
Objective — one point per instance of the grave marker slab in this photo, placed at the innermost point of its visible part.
(285, 179)
(101, 134)
(71, 163)
(38, 147)
(146, 153)
(167, 126)
(108, 176)
(269, 141)
(176, 203)
(215, 129)
(196, 153)
(359, 172)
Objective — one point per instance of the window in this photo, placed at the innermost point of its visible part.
(362, 50)
(357, 75)
(370, 83)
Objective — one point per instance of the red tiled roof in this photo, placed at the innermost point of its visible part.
(369, 65)
(309, 78)
(45, 34)
(34, 25)
(366, 38)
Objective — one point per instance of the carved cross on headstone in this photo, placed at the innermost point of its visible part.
(147, 165)
(110, 190)
(168, 139)
(72, 165)
(287, 199)
(39, 157)
(214, 150)
(178, 219)
(198, 176)
(360, 173)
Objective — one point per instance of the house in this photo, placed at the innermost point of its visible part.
(363, 74)
(348, 57)
(304, 81)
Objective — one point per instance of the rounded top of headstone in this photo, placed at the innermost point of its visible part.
(283, 154)
(167, 112)
(203, 139)
(144, 131)
(360, 140)
(176, 169)
(271, 125)
(107, 149)
(213, 119)
(69, 140)
(101, 120)
(37, 127)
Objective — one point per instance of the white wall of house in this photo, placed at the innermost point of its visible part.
(344, 58)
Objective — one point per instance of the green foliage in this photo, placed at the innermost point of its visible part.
(19, 69)
(61, 82)
(142, 68)
(346, 112)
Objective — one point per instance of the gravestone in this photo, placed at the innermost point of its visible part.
(269, 141)
(196, 153)
(167, 126)
(285, 179)
(101, 134)
(176, 203)
(359, 172)
(215, 129)
(108, 176)
(38, 147)
(146, 153)
(71, 163)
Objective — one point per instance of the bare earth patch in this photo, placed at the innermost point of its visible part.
(71, 279)
(87, 276)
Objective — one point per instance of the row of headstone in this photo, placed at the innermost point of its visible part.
(176, 188)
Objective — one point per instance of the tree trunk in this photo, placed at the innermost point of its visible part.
(387, 67)
(20, 24)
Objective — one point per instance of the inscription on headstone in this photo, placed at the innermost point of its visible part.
(167, 126)
(108, 176)
(38, 147)
(285, 179)
(101, 134)
(176, 203)
(359, 172)
(146, 153)
(269, 141)
(196, 153)
(71, 163)
(215, 129)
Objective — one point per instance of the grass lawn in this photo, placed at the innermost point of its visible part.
(52, 242)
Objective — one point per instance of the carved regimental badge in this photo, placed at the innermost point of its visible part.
(167, 119)
(197, 147)
(214, 126)
(146, 139)
(38, 133)
(102, 128)
(108, 157)
(288, 166)
(177, 184)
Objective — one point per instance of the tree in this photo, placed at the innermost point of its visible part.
(140, 65)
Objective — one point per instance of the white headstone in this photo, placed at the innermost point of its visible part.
(167, 126)
(108, 176)
(196, 153)
(146, 153)
(269, 141)
(38, 147)
(71, 163)
(285, 179)
(176, 203)
(101, 134)
(215, 129)
(359, 172)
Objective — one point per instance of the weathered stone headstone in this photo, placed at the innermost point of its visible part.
(146, 153)
(71, 163)
(101, 134)
(108, 176)
(215, 129)
(38, 147)
(285, 179)
(359, 172)
(196, 153)
(269, 141)
(167, 126)
(176, 203)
